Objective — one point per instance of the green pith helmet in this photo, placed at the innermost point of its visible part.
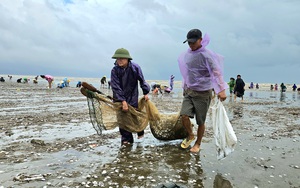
(122, 53)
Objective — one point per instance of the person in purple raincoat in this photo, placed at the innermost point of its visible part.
(201, 70)
(171, 82)
(125, 76)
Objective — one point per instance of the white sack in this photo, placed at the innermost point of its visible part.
(225, 138)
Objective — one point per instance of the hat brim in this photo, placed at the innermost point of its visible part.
(191, 40)
(116, 56)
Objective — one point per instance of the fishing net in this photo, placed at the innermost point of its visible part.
(163, 126)
(107, 115)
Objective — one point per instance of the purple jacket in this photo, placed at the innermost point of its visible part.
(124, 83)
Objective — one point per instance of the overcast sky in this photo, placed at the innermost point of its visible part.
(260, 39)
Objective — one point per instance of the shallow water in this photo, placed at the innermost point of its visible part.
(274, 95)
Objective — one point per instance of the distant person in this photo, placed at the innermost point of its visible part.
(2, 79)
(276, 87)
(231, 85)
(167, 89)
(282, 87)
(239, 88)
(61, 85)
(78, 84)
(201, 72)
(294, 87)
(19, 80)
(251, 85)
(10, 77)
(171, 82)
(66, 82)
(155, 88)
(108, 83)
(125, 77)
(26, 80)
(35, 81)
(49, 78)
(103, 81)
(257, 86)
(271, 87)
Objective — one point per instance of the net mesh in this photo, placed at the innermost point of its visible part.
(107, 115)
(97, 111)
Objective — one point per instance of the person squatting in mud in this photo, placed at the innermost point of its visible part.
(125, 76)
(201, 70)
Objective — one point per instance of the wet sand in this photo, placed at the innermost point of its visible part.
(47, 140)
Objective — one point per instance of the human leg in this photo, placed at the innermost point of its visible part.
(202, 103)
(200, 133)
(141, 134)
(188, 126)
(126, 136)
(50, 83)
(186, 112)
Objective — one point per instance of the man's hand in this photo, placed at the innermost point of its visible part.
(222, 95)
(146, 97)
(124, 106)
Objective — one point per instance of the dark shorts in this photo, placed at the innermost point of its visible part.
(196, 103)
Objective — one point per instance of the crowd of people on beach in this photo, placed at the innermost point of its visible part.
(50, 79)
(201, 70)
(157, 88)
(237, 87)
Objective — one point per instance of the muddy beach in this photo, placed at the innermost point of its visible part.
(47, 140)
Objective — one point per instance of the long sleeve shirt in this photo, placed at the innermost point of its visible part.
(124, 83)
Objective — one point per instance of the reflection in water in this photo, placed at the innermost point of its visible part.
(294, 96)
(151, 166)
(273, 94)
(253, 95)
(221, 182)
(282, 96)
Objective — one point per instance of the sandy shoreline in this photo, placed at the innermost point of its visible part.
(46, 139)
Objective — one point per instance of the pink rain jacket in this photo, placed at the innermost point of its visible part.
(202, 69)
(49, 78)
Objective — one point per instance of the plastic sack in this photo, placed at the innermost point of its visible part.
(225, 138)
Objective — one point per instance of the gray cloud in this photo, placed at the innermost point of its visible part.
(77, 38)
